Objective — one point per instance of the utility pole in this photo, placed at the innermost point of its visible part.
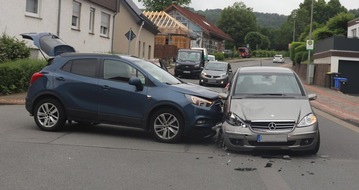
(310, 66)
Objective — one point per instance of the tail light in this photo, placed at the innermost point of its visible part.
(35, 76)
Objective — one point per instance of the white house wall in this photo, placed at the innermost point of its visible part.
(350, 30)
(123, 23)
(14, 21)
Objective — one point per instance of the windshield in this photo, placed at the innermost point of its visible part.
(267, 84)
(216, 66)
(194, 56)
(158, 73)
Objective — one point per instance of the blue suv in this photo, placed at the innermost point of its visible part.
(116, 89)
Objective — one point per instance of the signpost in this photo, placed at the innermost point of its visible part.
(130, 35)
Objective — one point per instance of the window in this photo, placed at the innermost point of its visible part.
(76, 11)
(143, 49)
(149, 52)
(105, 24)
(84, 67)
(120, 71)
(354, 33)
(92, 20)
(32, 7)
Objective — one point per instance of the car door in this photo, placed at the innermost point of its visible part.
(120, 102)
(77, 83)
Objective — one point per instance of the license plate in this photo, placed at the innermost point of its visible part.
(187, 72)
(211, 80)
(272, 138)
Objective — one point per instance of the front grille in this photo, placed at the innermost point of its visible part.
(255, 143)
(265, 126)
(185, 67)
(213, 77)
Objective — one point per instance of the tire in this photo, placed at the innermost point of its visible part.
(49, 115)
(167, 125)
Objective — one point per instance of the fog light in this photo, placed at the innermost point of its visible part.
(306, 141)
(221, 82)
(201, 122)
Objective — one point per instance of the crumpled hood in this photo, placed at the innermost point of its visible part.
(271, 108)
(194, 89)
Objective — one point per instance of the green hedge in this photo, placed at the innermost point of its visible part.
(12, 49)
(268, 53)
(15, 76)
(220, 56)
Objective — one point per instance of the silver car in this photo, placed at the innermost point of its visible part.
(268, 108)
(216, 73)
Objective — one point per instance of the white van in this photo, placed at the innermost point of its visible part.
(204, 52)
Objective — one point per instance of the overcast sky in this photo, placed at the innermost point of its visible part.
(283, 7)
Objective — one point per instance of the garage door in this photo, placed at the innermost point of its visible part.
(349, 70)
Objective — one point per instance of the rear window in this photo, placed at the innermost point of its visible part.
(84, 67)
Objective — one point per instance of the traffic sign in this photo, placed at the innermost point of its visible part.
(310, 44)
(130, 35)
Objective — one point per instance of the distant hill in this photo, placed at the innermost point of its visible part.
(270, 20)
(264, 20)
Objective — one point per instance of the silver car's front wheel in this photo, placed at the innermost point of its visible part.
(49, 115)
(167, 125)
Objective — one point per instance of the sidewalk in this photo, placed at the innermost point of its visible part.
(333, 102)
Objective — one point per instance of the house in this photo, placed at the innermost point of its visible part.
(130, 18)
(173, 35)
(87, 25)
(353, 28)
(210, 36)
(339, 56)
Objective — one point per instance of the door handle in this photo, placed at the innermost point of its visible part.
(60, 78)
(105, 87)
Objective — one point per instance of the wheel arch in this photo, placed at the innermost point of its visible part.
(163, 106)
(44, 96)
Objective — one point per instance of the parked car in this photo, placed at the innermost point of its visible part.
(268, 108)
(216, 73)
(211, 58)
(278, 59)
(122, 90)
(189, 63)
(244, 52)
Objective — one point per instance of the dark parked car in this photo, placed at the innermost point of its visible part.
(189, 63)
(268, 108)
(216, 73)
(123, 90)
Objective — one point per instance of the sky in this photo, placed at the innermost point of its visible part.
(282, 7)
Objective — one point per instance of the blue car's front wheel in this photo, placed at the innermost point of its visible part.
(167, 125)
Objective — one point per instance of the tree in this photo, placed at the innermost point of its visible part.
(237, 21)
(160, 5)
(254, 39)
(339, 24)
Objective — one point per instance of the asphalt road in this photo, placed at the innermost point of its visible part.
(109, 157)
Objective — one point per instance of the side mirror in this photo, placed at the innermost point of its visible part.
(136, 82)
(312, 97)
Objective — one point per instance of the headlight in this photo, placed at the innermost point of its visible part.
(196, 66)
(203, 73)
(309, 119)
(234, 120)
(224, 75)
(199, 101)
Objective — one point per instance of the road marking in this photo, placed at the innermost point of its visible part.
(337, 120)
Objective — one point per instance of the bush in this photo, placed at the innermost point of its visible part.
(12, 49)
(219, 56)
(298, 57)
(292, 50)
(15, 76)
